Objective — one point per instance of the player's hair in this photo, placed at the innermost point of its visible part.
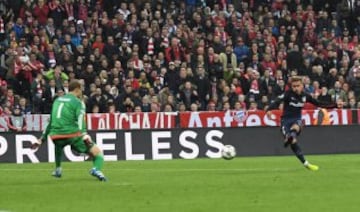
(74, 85)
(296, 79)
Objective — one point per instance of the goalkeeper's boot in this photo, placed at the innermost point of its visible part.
(57, 173)
(98, 174)
(311, 167)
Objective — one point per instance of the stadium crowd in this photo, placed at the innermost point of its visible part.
(173, 55)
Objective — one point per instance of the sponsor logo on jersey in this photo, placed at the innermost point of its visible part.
(62, 99)
(298, 104)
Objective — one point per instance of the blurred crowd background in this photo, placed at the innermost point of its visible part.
(172, 55)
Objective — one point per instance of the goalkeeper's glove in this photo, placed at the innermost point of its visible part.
(37, 143)
(87, 139)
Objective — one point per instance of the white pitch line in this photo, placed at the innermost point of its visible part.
(162, 170)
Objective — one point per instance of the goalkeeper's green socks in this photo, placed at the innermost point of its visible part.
(58, 156)
(98, 161)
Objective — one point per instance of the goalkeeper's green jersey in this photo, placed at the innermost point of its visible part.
(67, 118)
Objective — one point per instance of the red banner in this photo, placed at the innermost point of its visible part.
(255, 118)
(168, 120)
(131, 121)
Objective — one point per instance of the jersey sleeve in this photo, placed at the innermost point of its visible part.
(275, 104)
(318, 103)
(80, 114)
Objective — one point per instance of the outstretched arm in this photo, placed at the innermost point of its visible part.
(318, 103)
(43, 136)
(275, 104)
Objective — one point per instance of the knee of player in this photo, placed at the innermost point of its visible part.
(95, 150)
(296, 128)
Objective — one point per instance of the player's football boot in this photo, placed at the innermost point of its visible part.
(98, 174)
(57, 173)
(312, 167)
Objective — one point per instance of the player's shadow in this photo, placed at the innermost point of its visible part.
(254, 171)
(64, 181)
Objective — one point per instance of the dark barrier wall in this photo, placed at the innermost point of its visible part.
(187, 143)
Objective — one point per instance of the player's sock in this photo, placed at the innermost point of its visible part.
(297, 151)
(98, 161)
(58, 155)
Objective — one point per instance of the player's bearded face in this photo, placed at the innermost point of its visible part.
(297, 87)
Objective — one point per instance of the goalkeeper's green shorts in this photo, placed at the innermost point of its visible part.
(76, 143)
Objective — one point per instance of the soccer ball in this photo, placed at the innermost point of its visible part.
(228, 152)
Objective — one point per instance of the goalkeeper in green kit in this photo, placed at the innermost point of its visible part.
(67, 127)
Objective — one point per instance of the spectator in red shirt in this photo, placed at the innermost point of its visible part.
(26, 12)
(82, 10)
(3, 83)
(98, 44)
(10, 98)
(33, 67)
(56, 11)
(268, 63)
(69, 9)
(41, 11)
(134, 81)
(174, 52)
(211, 106)
(136, 63)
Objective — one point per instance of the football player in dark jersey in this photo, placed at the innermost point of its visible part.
(294, 100)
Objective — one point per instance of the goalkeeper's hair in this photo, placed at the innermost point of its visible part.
(74, 84)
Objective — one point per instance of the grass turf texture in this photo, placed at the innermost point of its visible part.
(242, 184)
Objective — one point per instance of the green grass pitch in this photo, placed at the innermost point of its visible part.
(242, 184)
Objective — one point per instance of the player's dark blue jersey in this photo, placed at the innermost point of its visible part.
(293, 104)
